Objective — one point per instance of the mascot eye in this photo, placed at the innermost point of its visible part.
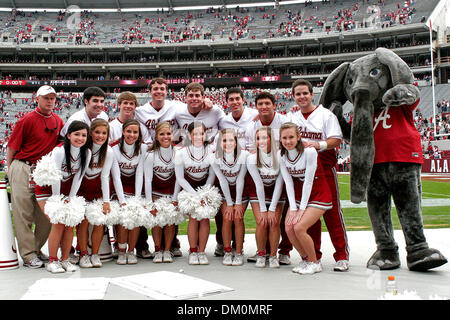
(374, 72)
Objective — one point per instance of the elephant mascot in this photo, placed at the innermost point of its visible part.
(385, 152)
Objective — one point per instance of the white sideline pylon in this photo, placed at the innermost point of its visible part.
(8, 251)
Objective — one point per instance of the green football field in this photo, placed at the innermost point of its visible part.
(358, 219)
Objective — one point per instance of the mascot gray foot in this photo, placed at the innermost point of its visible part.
(384, 260)
(425, 259)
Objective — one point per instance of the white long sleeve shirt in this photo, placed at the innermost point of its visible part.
(300, 166)
(267, 175)
(230, 171)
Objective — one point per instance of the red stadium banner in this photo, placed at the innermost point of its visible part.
(13, 82)
(80, 83)
(435, 165)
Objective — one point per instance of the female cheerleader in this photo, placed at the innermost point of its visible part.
(229, 166)
(130, 155)
(192, 170)
(72, 157)
(307, 187)
(267, 187)
(160, 181)
(96, 185)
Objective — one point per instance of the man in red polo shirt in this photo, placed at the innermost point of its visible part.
(34, 135)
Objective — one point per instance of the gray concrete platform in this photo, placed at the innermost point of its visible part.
(250, 283)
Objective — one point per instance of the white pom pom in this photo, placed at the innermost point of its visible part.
(46, 173)
(113, 217)
(167, 214)
(210, 202)
(55, 209)
(149, 218)
(94, 213)
(188, 202)
(76, 208)
(70, 214)
(133, 214)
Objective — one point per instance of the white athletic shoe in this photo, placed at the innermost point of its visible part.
(131, 257)
(96, 262)
(167, 257)
(55, 267)
(300, 266)
(202, 258)
(158, 258)
(341, 265)
(311, 268)
(260, 261)
(68, 266)
(273, 262)
(284, 259)
(85, 262)
(227, 259)
(193, 258)
(238, 259)
(122, 258)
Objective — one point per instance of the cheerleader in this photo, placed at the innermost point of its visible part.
(160, 181)
(130, 154)
(72, 157)
(266, 188)
(306, 187)
(229, 166)
(96, 185)
(192, 170)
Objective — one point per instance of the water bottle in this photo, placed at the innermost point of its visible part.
(391, 286)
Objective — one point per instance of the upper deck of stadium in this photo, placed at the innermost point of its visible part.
(131, 22)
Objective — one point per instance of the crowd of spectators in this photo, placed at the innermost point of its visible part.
(232, 24)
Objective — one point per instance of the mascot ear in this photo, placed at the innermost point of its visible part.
(333, 88)
(400, 71)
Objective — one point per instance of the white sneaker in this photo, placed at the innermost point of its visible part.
(300, 266)
(122, 258)
(260, 261)
(273, 262)
(131, 257)
(284, 259)
(193, 258)
(158, 258)
(227, 259)
(311, 268)
(167, 257)
(202, 258)
(85, 262)
(68, 266)
(238, 259)
(55, 267)
(341, 265)
(96, 262)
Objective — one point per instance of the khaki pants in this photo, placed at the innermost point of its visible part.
(26, 211)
